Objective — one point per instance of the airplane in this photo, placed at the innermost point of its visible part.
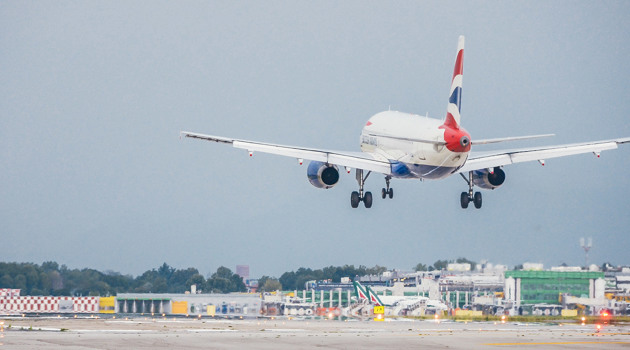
(360, 291)
(367, 293)
(408, 146)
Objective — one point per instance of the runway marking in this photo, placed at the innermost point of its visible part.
(561, 343)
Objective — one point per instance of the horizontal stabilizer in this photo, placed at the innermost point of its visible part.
(433, 142)
(493, 159)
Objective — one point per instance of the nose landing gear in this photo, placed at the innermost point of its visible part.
(388, 191)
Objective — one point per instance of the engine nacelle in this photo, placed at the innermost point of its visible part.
(322, 175)
(487, 180)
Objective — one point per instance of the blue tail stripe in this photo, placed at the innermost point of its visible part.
(456, 98)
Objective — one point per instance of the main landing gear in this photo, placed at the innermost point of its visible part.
(357, 197)
(467, 197)
(388, 191)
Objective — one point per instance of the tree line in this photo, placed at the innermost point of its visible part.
(50, 278)
(443, 264)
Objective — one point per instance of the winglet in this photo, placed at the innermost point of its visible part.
(455, 100)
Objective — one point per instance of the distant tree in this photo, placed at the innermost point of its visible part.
(196, 279)
(271, 285)
(376, 270)
(466, 261)
(440, 265)
(19, 282)
(6, 281)
(518, 267)
(288, 280)
(262, 280)
(421, 267)
(45, 282)
(178, 283)
(50, 266)
(225, 281)
(165, 271)
(295, 280)
(159, 285)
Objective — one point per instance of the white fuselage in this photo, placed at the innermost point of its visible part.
(414, 144)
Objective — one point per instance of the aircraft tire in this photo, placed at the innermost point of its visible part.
(354, 199)
(367, 199)
(383, 193)
(391, 193)
(464, 200)
(477, 200)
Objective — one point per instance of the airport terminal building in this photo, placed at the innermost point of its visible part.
(490, 290)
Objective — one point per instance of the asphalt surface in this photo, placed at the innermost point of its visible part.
(163, 333)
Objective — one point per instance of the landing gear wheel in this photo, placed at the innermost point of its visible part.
(387, 191)
(354, 199)
(477, 200)
(367, 199)
(464, 200)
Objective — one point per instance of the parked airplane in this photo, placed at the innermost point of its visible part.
(408, 146)
(367, 293)
(360, 291)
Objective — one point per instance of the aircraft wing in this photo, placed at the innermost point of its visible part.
(357, 160)
(505, 157)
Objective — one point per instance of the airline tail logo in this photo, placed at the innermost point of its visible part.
(374, 299)
(366, 293)
(360, 291)
(455, 100)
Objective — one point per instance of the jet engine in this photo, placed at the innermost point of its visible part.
(489, 180)
(322, 175)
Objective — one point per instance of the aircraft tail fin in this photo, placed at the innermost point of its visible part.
(455, 100)
(374, 299)
(360, 291)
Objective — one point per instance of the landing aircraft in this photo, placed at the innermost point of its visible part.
(408, 146)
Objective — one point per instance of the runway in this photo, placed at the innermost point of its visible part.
(162, 333)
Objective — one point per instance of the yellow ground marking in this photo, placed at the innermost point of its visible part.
(562, 343)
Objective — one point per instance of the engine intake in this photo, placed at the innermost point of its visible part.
(487, 180)
(322, 175)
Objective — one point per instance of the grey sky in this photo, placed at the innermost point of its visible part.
(94, 94)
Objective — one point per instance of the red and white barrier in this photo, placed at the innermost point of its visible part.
(49, 305)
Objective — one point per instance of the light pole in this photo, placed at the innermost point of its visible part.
(586, 245)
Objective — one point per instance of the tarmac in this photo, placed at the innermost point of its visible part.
(200, 333)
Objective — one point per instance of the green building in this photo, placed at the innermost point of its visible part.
(546, 287)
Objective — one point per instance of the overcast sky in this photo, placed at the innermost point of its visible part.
(95, 93)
